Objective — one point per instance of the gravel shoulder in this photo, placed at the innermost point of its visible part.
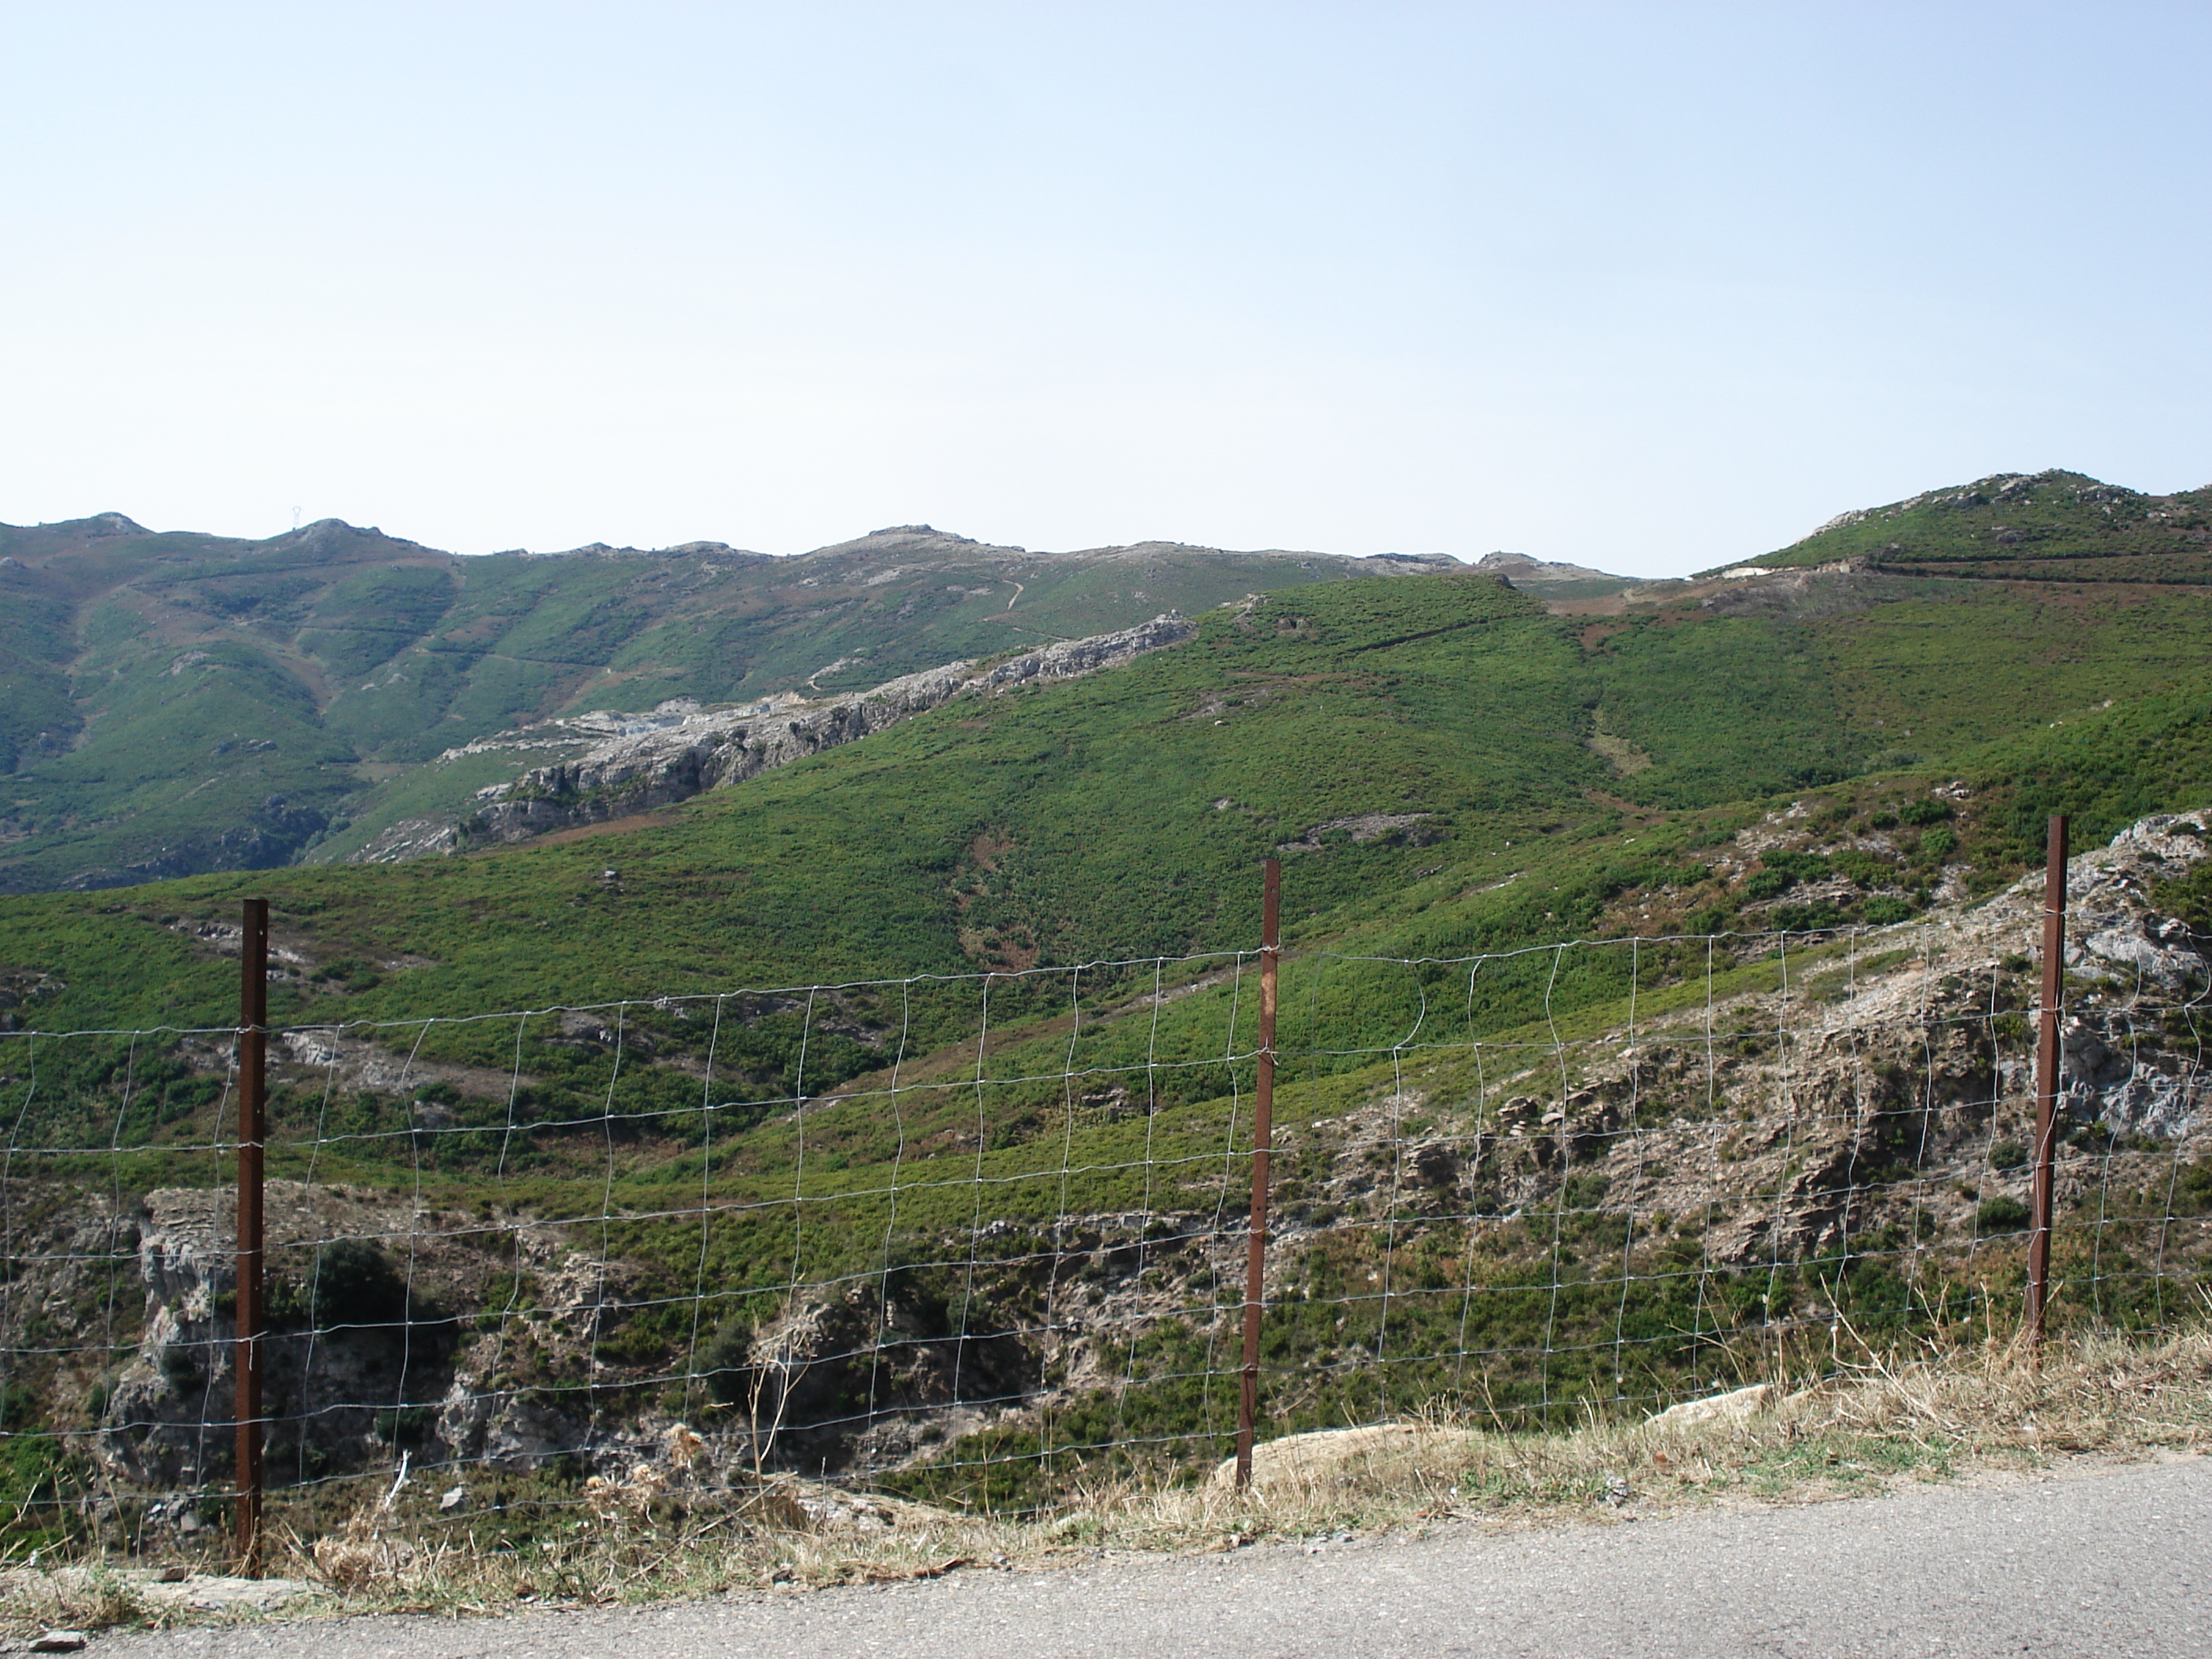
(2086, 1558)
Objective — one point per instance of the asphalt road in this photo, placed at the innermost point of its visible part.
(2110, 1562)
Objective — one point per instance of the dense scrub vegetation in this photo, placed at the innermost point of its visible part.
(982, 902)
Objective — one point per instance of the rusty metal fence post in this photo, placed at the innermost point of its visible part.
(253, 1105)
(2046, 1079)
(1263, 1130)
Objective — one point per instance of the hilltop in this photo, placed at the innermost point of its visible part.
(2053, 526)
(177, 702)
(1550, 581)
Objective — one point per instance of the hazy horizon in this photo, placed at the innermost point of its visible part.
(1646, 289)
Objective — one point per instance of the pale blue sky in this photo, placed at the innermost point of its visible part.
(1649, 287)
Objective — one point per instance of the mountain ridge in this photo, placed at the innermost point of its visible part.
(178, 700)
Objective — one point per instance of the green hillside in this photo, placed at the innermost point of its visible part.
(177, 702)
(173, 702)
(1419, 750)
(1409, 743)
(2048, 527)
(1445, 766)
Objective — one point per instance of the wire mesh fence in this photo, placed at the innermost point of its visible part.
(979, 1240)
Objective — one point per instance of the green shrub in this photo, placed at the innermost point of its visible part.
(2192, 1193)
(2190, 898)
(351, 1282)
(722, 1361)
(1798, 867)
(2001, 1214)
(1584, 1192)
(405, 1425)
(1862, 867)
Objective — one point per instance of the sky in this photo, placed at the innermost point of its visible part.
(1651, 286)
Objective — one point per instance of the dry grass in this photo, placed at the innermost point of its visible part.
(75, 1595)
(1929, 1417)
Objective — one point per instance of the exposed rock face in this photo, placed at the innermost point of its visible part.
(374, 1345)
(1824, 1114)
(683, 750)
(854, 1376)
(411, 838)
(1368, 826)
(1844, 585)
(2121, 1067)
(340, 1396)
(2111, 932)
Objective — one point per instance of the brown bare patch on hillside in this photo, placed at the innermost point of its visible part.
(1008, 948)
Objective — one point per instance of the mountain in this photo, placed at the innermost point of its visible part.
(995, 1223)
(184, 703)
(177, 702)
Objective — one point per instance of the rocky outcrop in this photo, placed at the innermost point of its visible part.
(637, 770)
(358, 1351)
(378, 1340)
(411, 838)
(1894, 1090)
(1368, 826)
(867, 1374)
(1833, 589)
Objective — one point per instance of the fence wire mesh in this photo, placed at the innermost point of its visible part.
(979, 1240)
